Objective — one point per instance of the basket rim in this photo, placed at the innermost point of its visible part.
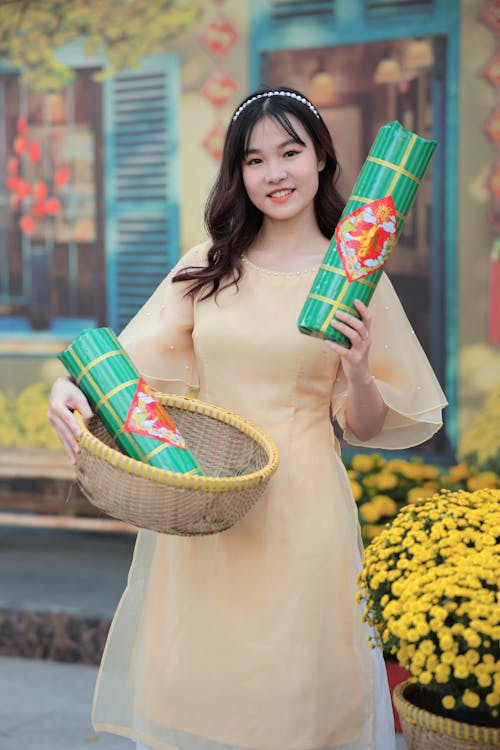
(440, 724)
(181, 480)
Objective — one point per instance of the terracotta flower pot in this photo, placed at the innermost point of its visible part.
(395, 675)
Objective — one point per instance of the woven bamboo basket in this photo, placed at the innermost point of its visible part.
(237, 457)
(424, 730)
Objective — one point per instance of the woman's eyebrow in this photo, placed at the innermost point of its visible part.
(289, 142)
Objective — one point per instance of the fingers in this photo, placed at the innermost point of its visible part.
(357, 330)
(64, 399)
(67, 438)
(76, 399)
(353, 333)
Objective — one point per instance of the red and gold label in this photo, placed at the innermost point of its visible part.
(147, 417)
(366, 236)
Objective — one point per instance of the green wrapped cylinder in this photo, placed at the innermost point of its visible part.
(395, 167)
(103, 370)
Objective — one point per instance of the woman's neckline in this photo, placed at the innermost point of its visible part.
(273, 272)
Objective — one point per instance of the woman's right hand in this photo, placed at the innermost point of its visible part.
(64, 398)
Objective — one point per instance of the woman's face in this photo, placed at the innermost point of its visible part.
(281, 174)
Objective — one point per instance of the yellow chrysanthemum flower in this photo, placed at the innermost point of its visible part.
(459, 472)
(386, 480)
(429, 472)
(385, 504)
(483, 679)
(449, 701)
(356, 490)
(427, 647)
(483, 481)
(431, 663)
(461, 671)
(419, 493)
(363, 462)
(369, 512)
(446, 642)
(425, 678)
(397, 465)
(470, 699)
(442, 673)
(373, 530)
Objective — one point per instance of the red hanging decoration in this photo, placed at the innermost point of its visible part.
(219, 36)
(40, 190)
(20, 144)
(52, 206)
(61, 176)
(490, 15)
(491, 70)
(492, 126)
(27, 224)
(214, 141)
(219, 88)
(19, 188)
(22, 126)
(13, 165)
(34, 152)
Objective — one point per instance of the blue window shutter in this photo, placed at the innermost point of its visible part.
(141, 183)
(285, 10)
(386, 8)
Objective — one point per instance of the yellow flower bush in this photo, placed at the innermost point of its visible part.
(24, 422)
(430, 588)
(382, 486)
(31, 416)
(6, 422)
(481, 442)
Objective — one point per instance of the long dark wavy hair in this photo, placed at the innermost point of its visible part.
(231, 218)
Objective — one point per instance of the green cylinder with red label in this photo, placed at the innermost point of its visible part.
(367, 230)
(125, 403)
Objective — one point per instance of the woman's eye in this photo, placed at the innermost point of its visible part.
(292, 152)
(254, 160)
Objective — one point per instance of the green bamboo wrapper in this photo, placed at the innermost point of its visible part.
(103, 370)
(406, 157)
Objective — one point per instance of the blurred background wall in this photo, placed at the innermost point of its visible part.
(112, 117)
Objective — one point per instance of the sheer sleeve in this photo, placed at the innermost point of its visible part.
(403, 375)
(159, 337)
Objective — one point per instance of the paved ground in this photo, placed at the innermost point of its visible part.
(46, 705)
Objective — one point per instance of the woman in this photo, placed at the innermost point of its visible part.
(252, 638)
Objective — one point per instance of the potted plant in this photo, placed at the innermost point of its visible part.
(429, 584)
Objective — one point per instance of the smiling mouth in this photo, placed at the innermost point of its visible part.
(280, 194)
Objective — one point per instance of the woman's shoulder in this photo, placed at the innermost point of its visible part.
(196, 255)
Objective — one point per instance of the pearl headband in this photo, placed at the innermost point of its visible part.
(268, 94)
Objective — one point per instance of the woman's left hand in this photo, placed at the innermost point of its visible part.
(355, 359)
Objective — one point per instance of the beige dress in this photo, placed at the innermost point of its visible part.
(252, 638)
